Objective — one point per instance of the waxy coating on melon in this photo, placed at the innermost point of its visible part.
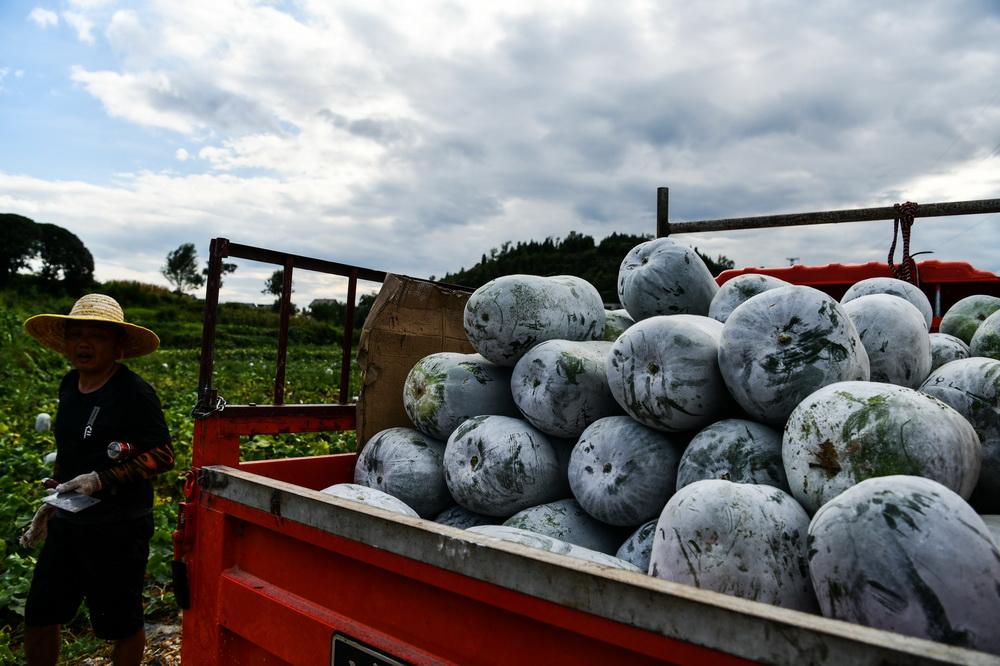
(964, 317)
(971, 387)
(783, 344)
(738, 290)
(736, 538)
(498, 465)
(370, 496)
(664, 372)
(734, 450)
(622, 472)
(552, 545)
(446, 388)
(616, 322)
(945, 349)
(661, 277)
(460, 517)
(406, 464)
(906, 554)
(851, 431)
(561, 386)
(637, 548)
(986, 340)
(566, 520)
(511, 314)
(893, 287)
(895, 338)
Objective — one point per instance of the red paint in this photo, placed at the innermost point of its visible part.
(951, 280)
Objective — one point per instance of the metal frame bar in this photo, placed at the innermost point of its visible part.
(221, 248)
(666, 228)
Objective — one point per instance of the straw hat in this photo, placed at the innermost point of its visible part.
(49, 329)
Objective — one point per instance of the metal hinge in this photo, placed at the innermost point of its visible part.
(209, 402)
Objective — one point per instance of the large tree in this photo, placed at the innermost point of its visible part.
(275, 283)
(181, 269)
(64, 258)
(21, 239)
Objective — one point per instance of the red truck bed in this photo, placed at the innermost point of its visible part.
(279, 573)
(282, 574)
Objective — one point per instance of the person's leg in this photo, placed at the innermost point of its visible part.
(41, 645)
(54, 595)
(117, 564)
(128, 651)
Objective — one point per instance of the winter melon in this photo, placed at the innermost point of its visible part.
(783, 344)
(971, 387)
(740, 539)
(615, 323)
(622, 472)
(893, 287)
(406, 464)
(446, 388)
(664, 372)
(661, 277)
(986, 340)
(945, 349)
(906, 554)
(369, 496)
(511, 314)
(734, 450)
(851, 431)
(964, 317)
(638, 547)
(551, 544)
(566, 520)
(561, 386)
(895, 338)
(498, 465)
(738, 290)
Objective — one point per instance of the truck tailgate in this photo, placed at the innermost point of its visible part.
(302, 570)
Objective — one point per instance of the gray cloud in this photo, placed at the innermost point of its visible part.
(569, 119)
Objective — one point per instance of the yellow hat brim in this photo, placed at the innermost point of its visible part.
(50, 331)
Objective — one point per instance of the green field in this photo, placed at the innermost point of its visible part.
(245, 359)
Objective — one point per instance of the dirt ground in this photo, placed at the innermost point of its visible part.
(163, 647)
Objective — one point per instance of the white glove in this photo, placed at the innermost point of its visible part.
(85, 484)
(39, 527)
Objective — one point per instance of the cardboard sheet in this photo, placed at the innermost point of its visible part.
(410, 319)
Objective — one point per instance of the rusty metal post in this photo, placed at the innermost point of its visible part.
(662, 210)
(975, 207)
(286, 307)
(348, 342)
(217, 250)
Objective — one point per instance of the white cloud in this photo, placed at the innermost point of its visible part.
(43, 18)
(90, 4)
(83, 25)
(181, 155)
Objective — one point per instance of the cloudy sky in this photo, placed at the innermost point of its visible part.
(415, 136)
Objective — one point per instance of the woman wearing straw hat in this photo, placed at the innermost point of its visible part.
(99, 553)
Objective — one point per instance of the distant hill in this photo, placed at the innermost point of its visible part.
(577, 254)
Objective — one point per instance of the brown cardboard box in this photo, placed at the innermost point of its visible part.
(410, 319)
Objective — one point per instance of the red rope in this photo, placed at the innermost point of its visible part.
(907, 268)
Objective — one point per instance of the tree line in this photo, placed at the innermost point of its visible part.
(58, 256)
(576, 254)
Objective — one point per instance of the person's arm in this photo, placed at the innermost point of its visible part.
(145, 465)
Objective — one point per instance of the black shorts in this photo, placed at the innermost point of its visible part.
(104, 564)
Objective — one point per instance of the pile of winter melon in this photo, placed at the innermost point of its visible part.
(760, 439)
